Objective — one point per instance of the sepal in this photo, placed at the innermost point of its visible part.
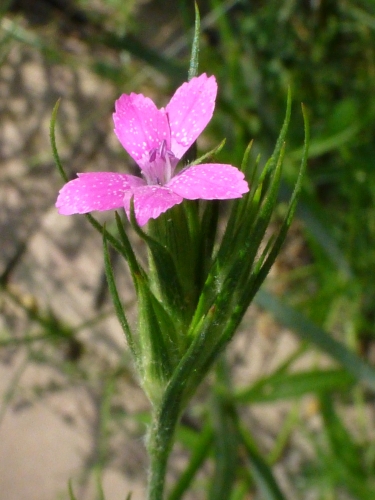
(156, 340)
(164, 275)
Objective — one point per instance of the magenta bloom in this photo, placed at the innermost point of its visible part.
(157, 139)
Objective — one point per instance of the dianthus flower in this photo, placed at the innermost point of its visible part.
(157, 139)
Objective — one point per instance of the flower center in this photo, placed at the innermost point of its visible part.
(160, 166)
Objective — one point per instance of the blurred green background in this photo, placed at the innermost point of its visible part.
(325, 51)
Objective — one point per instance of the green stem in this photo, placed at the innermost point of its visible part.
(160, 442)
(166, 416)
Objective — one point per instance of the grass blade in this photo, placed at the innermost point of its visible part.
(199, 455)
(260, 471)
(294, 385)
(306, 330)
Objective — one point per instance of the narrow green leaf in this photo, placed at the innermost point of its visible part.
(237, 276)
(199, 454)
(340, 438)
(228, 276)
(110, 238)
(70, 490)
(323, 145)
(302, 170)
(186, 376)
(280, 386)
(260, 276)
(345, 456)
(53, 141)
(99, 486)
(216, 150)
(260, 471)
(134, 265)
(253, 278)
(225, 445)
(206, 333)
(209, 155)
(232, 240)
(284, 433)
(313, 219)
(244, 205)
(284, 129)
(306, 330)
(241, 490)
(194, 59)
(117, 303)
(269, 193)
(246, 159)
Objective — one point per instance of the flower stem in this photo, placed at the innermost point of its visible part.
(166, 416)
(160, 442)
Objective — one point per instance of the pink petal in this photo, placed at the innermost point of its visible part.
(95, 191)
(150, 202)
(189, 111)
(211, 181)
(139, 125)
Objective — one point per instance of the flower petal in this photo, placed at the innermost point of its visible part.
(95, 191)
(150, 202)
(139, 125)
(210, 181)
(189, 111)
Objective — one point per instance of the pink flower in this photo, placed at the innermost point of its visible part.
(157, 139)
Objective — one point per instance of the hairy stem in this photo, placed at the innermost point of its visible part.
(160, 442)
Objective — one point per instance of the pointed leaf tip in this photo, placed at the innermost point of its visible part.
(194, 59)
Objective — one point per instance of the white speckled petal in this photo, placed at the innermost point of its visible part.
(189, 111)
(150, 202)
(139, 125)
(95, 191)
(210, 181)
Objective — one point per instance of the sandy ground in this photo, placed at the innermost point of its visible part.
(49, 419)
